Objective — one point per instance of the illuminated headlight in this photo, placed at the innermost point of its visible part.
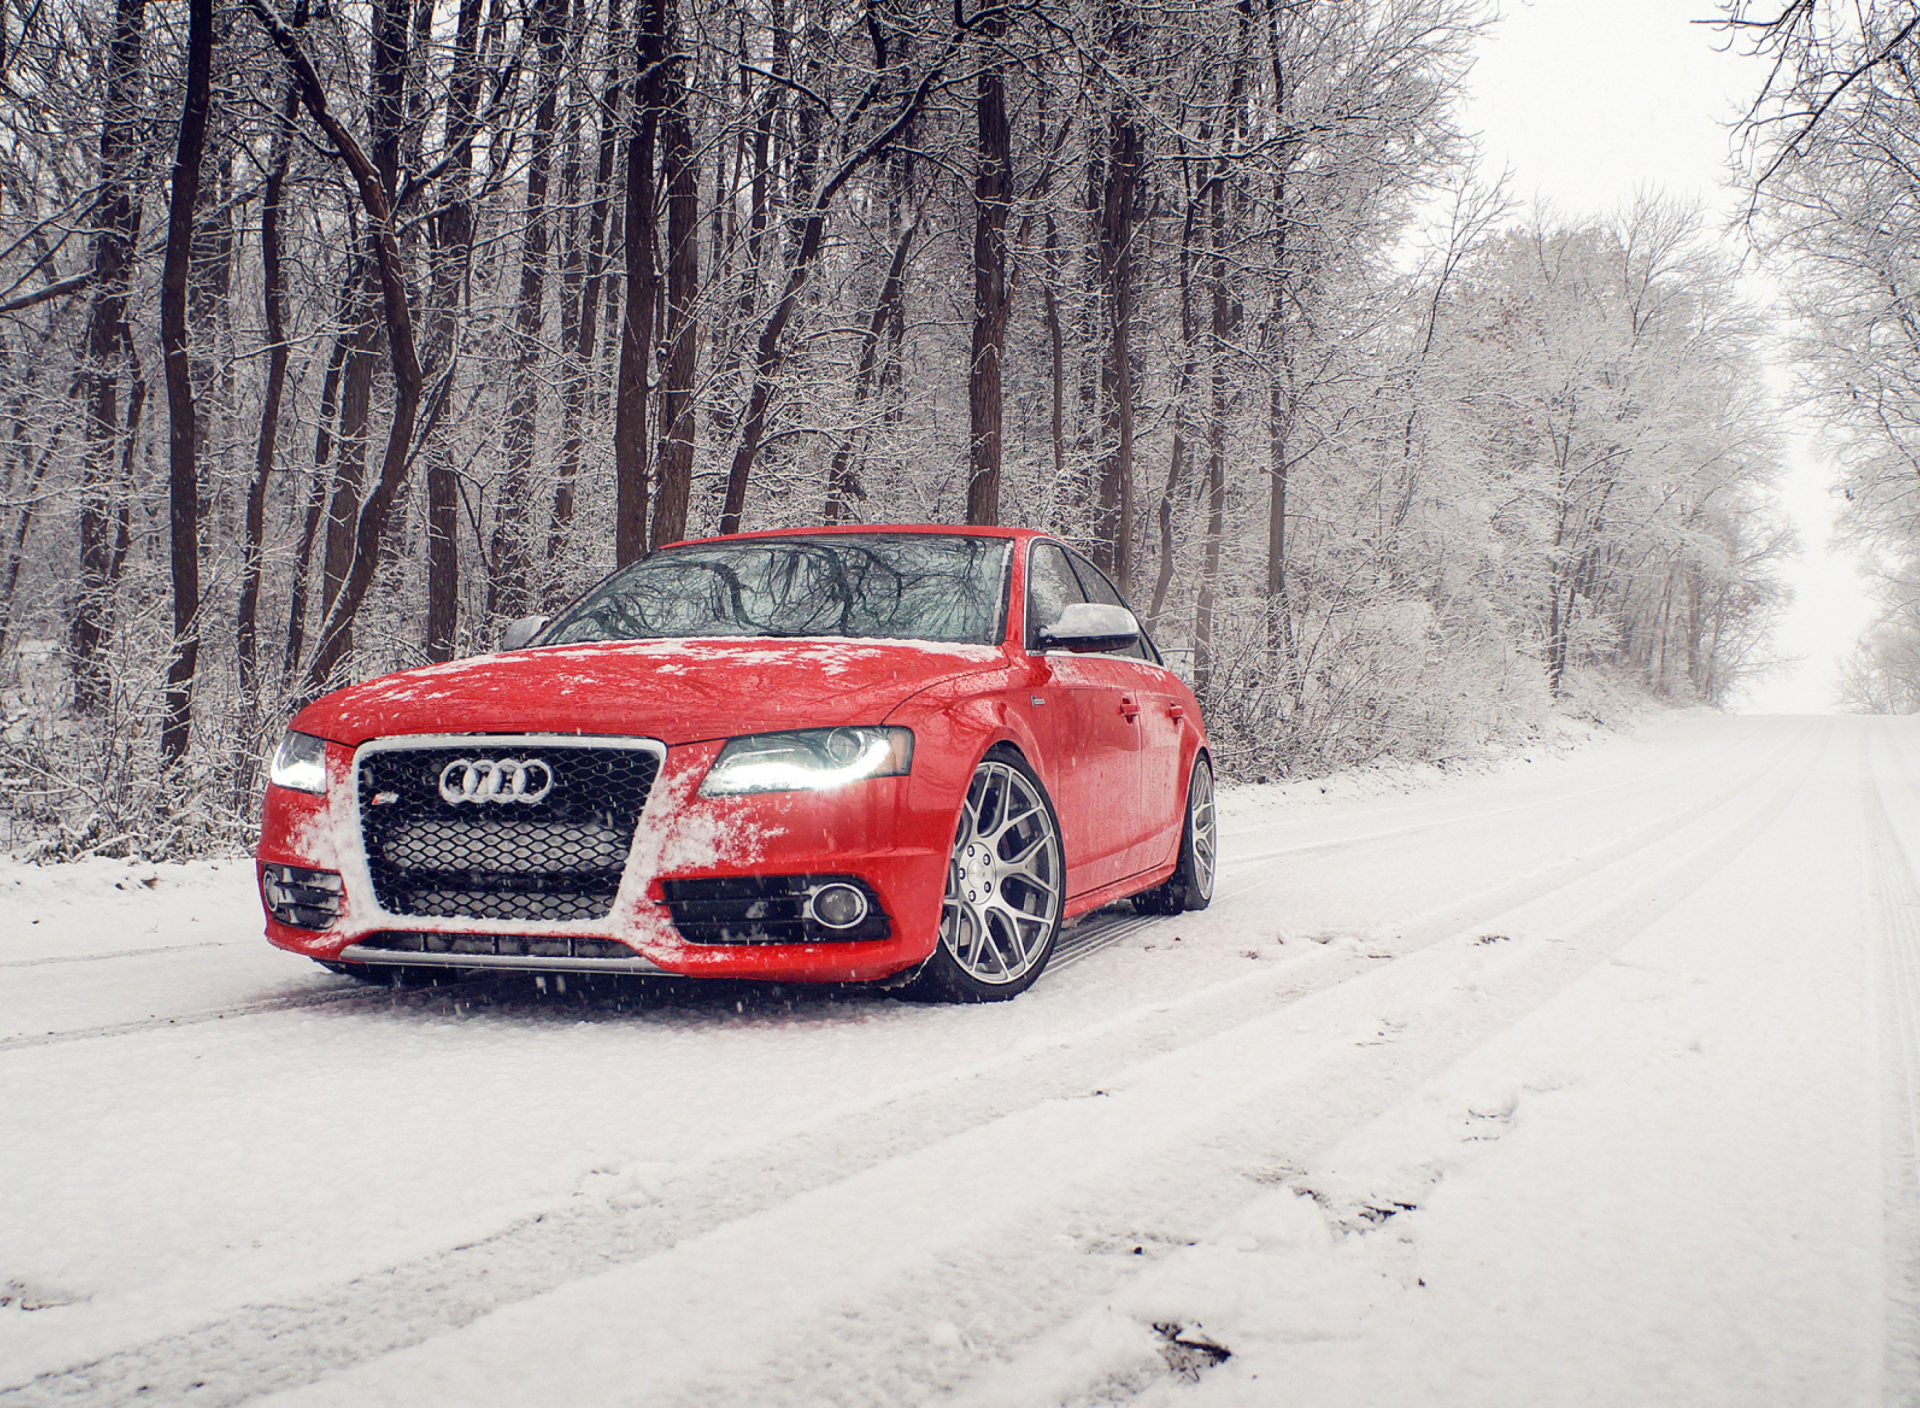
(808, 760)
(300, 763)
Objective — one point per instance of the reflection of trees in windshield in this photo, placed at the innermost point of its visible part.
(909, 587)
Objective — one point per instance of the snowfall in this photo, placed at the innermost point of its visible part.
(1586, 1077)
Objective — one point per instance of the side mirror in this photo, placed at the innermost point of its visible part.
(518, 633)
(1089, 627)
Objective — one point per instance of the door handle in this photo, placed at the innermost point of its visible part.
(1129, 707)
(1176, 711)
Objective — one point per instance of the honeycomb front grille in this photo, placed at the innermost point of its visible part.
(558, 857)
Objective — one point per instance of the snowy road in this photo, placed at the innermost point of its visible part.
(1594, 1081)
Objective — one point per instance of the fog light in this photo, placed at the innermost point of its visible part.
(838, 906)
(305, 899)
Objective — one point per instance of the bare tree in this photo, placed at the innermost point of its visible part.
(636, 324)
(110, 355)
(335, 631)
(768, 351)
(183, 460)
(510, 569)
(992, 294)
(273, 297)
(680, 172)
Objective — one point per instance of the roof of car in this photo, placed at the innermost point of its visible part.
(945, 529)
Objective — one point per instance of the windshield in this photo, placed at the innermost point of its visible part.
(903, 586)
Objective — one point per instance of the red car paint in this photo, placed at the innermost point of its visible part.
(1113, 740)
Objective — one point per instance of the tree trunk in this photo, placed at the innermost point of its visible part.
(17, 551)
(583, 275)
(681, 174)
(1057, 350)
(758, 218)
(1177, 460)
(509, 579)
(612, 109)
(362, 337)
(1281, 390)
(335, 637)
(182, 450)
(636, 323)
(116, 225)
(451, 235)
(316, 499)
(273, 298)
(1558, 618)
(1220, 332)
(1113, 521)
(1279, 466)
(210, 317)
(992, 194)
(573, 371)
(386, 82)
(843, 485)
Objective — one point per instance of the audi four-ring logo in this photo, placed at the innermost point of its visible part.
(495, 780)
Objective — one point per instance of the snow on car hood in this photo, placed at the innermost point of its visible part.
(677, 691)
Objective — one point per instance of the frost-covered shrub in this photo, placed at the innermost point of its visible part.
(1386, 677)
(73, 787)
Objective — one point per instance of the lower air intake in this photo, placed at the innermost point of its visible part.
(768, 909)
(498, 945)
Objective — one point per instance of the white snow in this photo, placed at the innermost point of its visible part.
(1587, 1080)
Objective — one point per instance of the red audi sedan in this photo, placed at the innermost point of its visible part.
(902, 754)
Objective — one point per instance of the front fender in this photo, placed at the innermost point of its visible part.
(953, 727)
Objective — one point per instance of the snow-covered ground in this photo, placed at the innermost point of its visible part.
(1592, 1080)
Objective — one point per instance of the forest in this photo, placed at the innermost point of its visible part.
(1831, 157)
(334, 338)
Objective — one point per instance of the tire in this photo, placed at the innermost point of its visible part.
(1190, 886)
(1006, 886)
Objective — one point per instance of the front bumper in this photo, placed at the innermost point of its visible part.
(875, 833)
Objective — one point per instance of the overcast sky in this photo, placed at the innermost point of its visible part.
(1586, 101)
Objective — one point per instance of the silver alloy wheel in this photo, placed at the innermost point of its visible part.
(1203, 828)
(1004, 879)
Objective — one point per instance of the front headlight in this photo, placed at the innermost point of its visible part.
(807, 760)
(300, 762)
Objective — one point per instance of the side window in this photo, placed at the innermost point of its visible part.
(1099, 589)
(1051, 588)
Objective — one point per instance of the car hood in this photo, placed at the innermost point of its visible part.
(678, 691)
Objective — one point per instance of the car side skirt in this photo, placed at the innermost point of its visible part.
(1078, 905)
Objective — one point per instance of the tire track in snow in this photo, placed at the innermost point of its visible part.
(1102, 930)
(1175, 1200)
(1480, 906)
(1895, 904)
(1095, 932)
(359, 995)
(1695, 758)
(117, 953)
(846, 1153)
(1693, 762)
(189, 1019)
